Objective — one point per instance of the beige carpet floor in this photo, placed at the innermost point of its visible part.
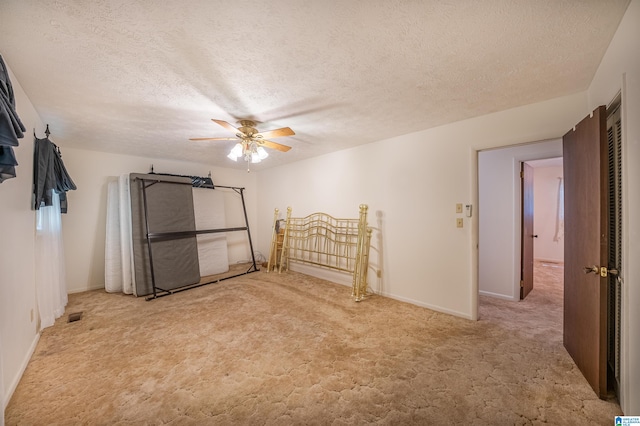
(291, 349)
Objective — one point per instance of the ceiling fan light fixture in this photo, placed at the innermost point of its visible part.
(262, 153)
(249, 147)
(255, 158)
(236, 152)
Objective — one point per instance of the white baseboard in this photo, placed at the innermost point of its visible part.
(426, 305)
(23, 366)
(323, 273)
(90, 288)
(346, 279)
(497, 295)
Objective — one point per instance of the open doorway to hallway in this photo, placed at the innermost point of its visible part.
(500, 215)
(593, 241)
(546, 235)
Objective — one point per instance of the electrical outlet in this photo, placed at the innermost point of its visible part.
(459, 208)
(459, 222)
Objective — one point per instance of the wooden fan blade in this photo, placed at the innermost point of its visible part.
(227, 126)
(285, 131)
(213, 139)
(273, 145)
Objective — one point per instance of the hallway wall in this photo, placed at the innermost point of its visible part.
(549, 245)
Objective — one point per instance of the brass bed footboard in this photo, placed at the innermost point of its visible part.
(324, 241)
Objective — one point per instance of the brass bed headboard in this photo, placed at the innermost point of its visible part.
(324, 241)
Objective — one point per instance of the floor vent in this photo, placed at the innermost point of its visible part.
(76, 316)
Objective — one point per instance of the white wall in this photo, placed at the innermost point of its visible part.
(84, 224)
(545, 200)
(499, 215)
(18, 311)
(412, 184)
(620, 71)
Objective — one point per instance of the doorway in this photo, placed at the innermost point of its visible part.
(499, 215)
(499, 237)
(542, 218)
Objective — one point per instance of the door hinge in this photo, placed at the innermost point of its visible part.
(521, 175)
(521, 283)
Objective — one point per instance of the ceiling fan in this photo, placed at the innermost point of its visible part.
(251, 142)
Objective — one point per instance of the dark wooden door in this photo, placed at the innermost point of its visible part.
(526, 264)
(585, 249)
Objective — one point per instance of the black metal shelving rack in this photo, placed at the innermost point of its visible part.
(157, 236)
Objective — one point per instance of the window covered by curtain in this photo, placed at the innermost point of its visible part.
(50, 184)
(51, 285)
(559, 235)
(49, 174)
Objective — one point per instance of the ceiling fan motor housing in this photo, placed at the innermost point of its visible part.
(247, 127)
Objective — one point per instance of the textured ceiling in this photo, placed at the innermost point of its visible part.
(141, 77)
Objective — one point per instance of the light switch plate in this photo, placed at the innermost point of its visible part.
(459, 222)
(459, 208)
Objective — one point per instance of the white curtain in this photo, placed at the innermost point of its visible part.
(118, 261)
(560, 212)
(51, 287)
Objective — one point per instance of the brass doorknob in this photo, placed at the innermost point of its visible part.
(590, 269)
